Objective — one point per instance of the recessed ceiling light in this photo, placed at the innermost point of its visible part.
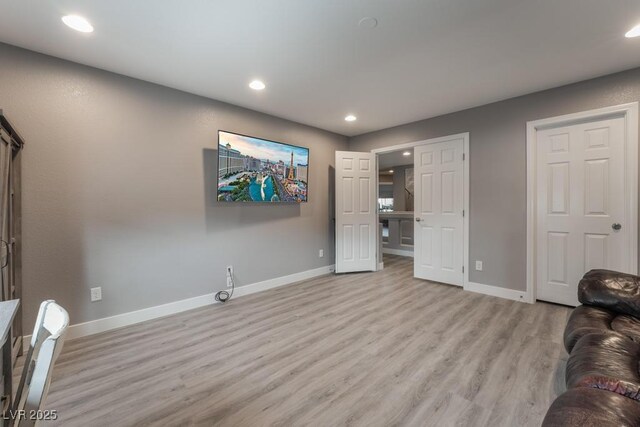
(257, 85)
(390, 170)
(634, 32)
(350, 118)
(78, 23)
(368, 22)
(406, 153)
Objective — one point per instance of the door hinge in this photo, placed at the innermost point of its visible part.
(463, 213)
(463, 268)
(464, 156)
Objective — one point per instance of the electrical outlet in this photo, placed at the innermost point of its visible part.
(96, 294)
(479, 265)
(321, 253)
(229, 273)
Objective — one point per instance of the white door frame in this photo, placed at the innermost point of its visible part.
(466, 180)
(630, 114)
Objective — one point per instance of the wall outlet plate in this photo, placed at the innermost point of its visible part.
(478, 265)
(321, 253)
(229, 270)
(96, 294)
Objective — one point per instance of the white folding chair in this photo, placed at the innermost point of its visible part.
(45, 347)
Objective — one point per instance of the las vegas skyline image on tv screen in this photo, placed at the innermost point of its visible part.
(257, 170)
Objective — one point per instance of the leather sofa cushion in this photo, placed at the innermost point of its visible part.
(612, 290)
(627, 325)
(587, 319)
(606, 361)
(587, 407)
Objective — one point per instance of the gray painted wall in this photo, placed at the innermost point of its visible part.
(497, 230)
(400, 196)
(397, 189)
(119, 181)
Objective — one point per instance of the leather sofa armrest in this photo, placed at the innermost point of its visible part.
(619, 292)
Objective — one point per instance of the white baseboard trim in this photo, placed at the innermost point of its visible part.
(132, 317)
(496, 291)
(284, 280)
(125, 319)
(380, 266)
(399, 252)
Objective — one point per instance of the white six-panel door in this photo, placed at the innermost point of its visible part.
(581, 220)
(356, 217)
(438, 205)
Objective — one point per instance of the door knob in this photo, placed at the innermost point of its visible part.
(418, 220)
(616, 226)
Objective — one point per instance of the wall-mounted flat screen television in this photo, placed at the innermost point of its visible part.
(257, 170)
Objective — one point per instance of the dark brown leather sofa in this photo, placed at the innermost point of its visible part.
(602, 337)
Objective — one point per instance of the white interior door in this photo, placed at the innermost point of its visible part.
(438, 206)
(581, 219)
(356, 212)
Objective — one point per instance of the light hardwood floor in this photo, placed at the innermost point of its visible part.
(372, 349)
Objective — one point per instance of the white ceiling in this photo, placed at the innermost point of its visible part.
(425, 58)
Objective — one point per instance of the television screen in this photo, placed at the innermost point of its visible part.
(256, 170)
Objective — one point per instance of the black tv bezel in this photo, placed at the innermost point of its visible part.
(268, 140)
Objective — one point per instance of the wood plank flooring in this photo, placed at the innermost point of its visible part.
(372, 349)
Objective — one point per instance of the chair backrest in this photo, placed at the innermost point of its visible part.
(45, 347)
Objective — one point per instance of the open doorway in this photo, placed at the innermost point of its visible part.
(395, 201)
(423, 205)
